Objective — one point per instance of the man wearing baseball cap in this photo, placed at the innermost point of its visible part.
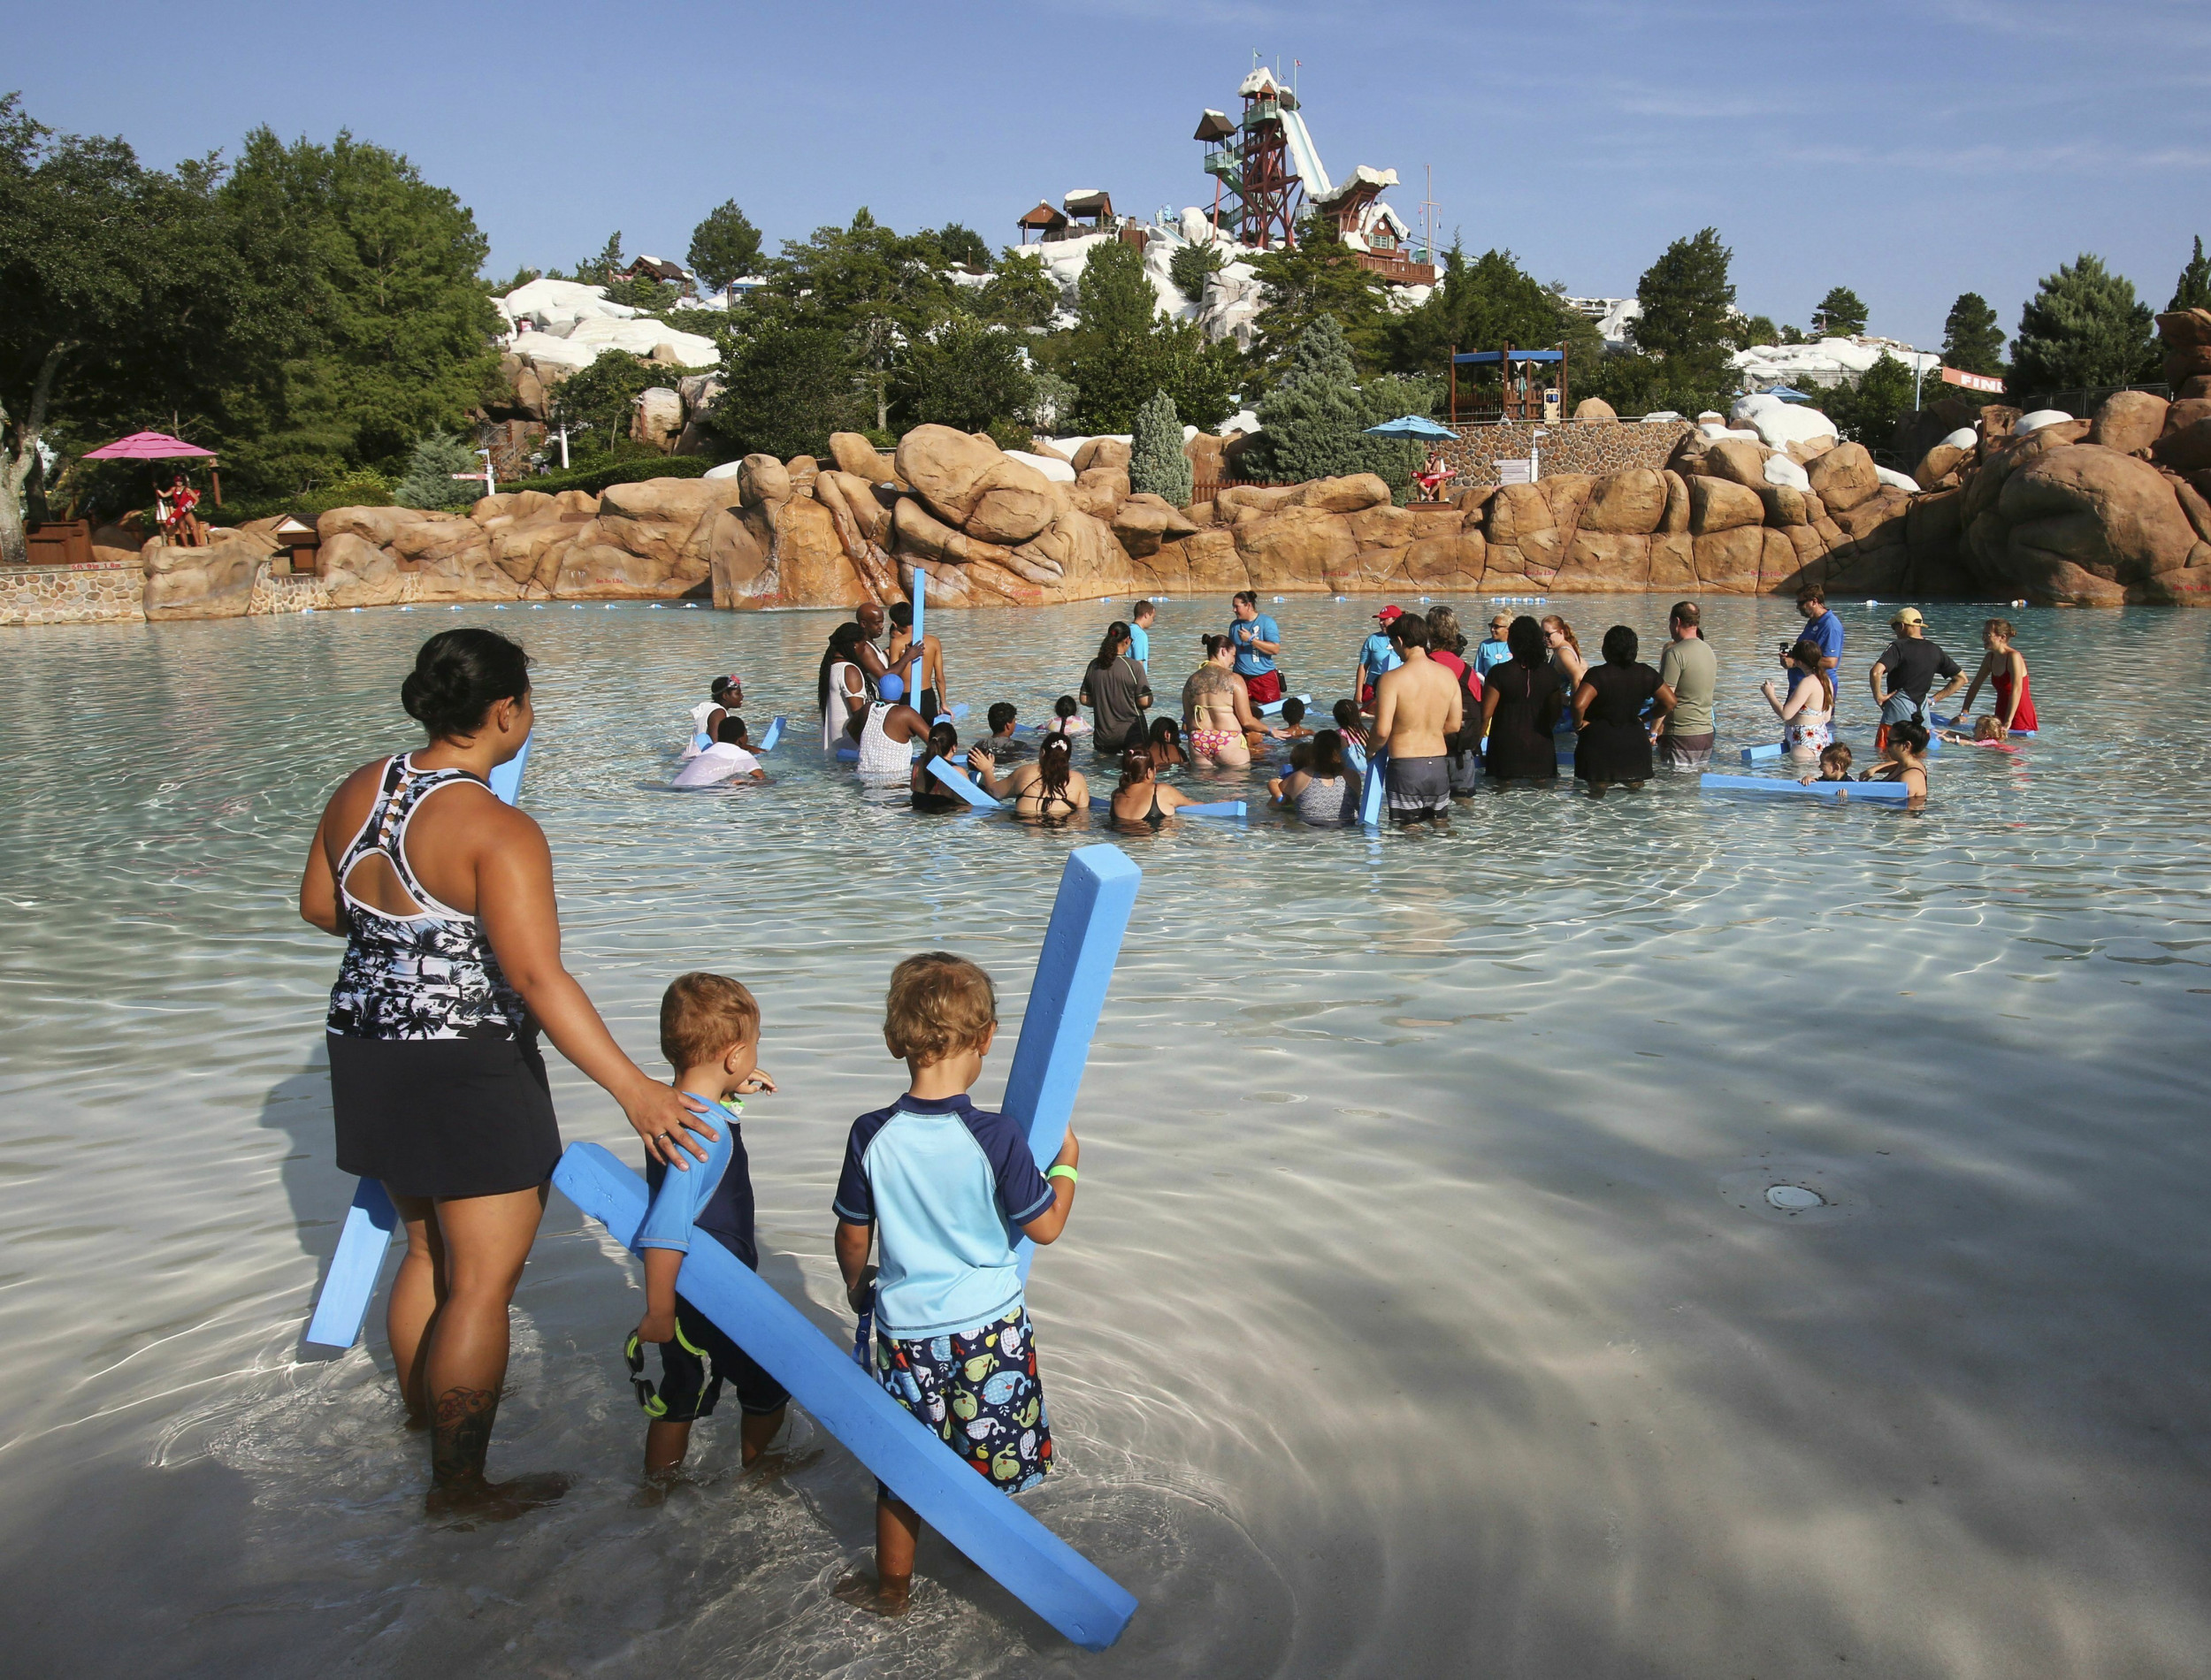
(706, 717)
(1910, 664)
(1376, 654)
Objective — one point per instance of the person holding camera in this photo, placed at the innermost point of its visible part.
(1691, 670)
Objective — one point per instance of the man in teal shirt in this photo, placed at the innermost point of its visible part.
(1257, 641)
(1140, 634)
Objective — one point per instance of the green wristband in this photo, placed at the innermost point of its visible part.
(1063, 1170)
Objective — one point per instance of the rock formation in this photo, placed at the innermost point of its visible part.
(2098, 512)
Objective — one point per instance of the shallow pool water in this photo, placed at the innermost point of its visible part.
(1424, 1312)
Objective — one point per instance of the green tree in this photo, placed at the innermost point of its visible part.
(127, 295)
(1867, 411)
(396, 332)
(1485, 304)
(724, 247)
(2193, 289)
(969, 376)
(1123, 351)
(1840, 315)
(1687, 318)
(1022, 293)
(1318, 276)
(1754, 329)
(430, 481)
(1192, 265)
(600, 270)
(1313, 422)
(881, 289)
(956, 243)
(599, 401)
(2084, 327)
(1157, 465)
(788, 385)
(1971, 340)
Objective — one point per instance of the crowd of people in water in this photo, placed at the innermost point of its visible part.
(452, 971)
(1440, 716)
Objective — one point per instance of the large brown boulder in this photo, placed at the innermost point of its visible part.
(1675, 520)
(1727, 560)
(1240, 498)
(1211, 561)
(1079, 554)
(2187, 443)
(1717, 505)
(1784, 505)
(1938, 466)
(947, 467)
(2128, 421)
(1604, 560)
(2184, 338)
(656, 417)
(1015, 503)
(1098, 490)
(1844, 477)
(1594, 408)
(854, 454)
(1350, 494)
(1144, 522)
(216, 581)
(1296, 548)
(917, 530)
(2106, 514)
(762, 481)
(1446, 562)
(811, 567)
(1100, 452)
(356, 572)
(1390, 527)
(1629, 503)
(1739, 461)
(1673, 561)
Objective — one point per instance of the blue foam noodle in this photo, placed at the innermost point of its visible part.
(506, 778)
(1009, 1545)
(773, 734)
(1375, 789)
(1894, 792)
(1760, 754)
(341, 1307)
(956, 779)
(1217, 808)
(1089, 915)
(848, 753)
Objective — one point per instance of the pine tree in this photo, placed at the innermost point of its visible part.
(1840, 315)
(2084, 328)
(1971, 340)
(724, 247)
(1688, 304)
(2194, 290)
(430, 481)
(1157, 465)
(1313, 425)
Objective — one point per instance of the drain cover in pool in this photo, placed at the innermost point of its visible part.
(1793, 1198)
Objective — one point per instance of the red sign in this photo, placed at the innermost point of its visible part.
(1972, 381)
(476, 476)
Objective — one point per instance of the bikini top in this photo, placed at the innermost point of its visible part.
(429, 975)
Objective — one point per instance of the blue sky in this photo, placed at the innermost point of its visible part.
(1909, 151)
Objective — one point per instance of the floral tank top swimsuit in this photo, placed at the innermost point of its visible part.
(428, 975)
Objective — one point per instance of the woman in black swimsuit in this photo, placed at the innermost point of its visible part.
(1050, 789)
(1142, 796)
(929, 793)
(444, 895)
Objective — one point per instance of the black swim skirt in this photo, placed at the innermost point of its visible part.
(443, 1116)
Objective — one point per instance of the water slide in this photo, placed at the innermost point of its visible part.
(1304, 157)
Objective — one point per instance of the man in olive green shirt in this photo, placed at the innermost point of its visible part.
(1688, 668)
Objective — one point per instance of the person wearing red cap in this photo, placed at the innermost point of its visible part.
(1376, 654)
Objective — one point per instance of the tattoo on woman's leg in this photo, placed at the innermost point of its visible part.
(460, 1435)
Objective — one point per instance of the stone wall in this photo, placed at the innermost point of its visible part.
(1592, 447)
(104, 592)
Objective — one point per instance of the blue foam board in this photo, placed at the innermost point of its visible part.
(1375, 790)
(1760, 754)
(505, 778)
(1009, 1545)
(773, 734)
(1273, 708)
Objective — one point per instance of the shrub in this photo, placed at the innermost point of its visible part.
(430, 481)
(1191, 266)
(1157, 465)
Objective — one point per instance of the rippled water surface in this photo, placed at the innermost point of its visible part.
(1422, 1314)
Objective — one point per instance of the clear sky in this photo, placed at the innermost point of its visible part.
(1908, 151)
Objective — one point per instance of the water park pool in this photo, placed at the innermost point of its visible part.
(1442, 1298)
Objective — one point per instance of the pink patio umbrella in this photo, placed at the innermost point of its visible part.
(156, 445)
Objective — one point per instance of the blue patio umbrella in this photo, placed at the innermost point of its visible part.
(1413, 425)
(1787, 393)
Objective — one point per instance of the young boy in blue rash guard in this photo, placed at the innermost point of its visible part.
(710, 1035)
(947, 1189)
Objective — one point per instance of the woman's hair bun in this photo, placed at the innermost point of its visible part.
(459, 675)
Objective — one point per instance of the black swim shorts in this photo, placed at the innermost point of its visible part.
(688, 1390)
(1419, 789)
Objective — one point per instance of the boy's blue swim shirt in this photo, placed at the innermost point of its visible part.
(948, 1185)
(716, 1196)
